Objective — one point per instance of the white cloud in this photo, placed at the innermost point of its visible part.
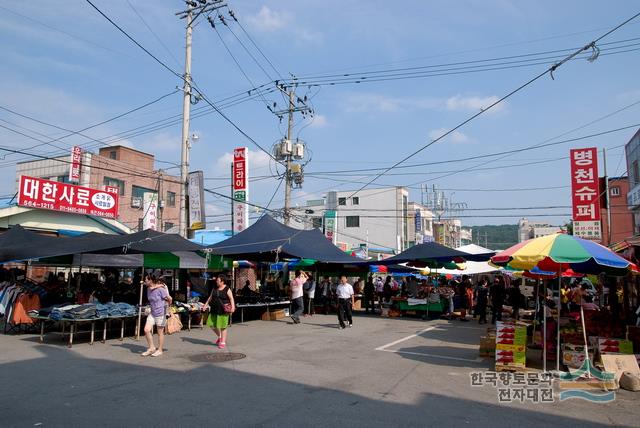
(461, 103)
(319, 121)
(269, 20)
(306, 36)
(363, 102)
(456, 137)
(257, 160)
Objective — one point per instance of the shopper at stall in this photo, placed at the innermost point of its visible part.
(159, 301)
(482, 298)
(345, 302)
(379, 291)
(324, 291)
(309, 289)
(497, 293)
(516, 300)
(369, 293)
(295, 293)
(221, 305)
(387, 289)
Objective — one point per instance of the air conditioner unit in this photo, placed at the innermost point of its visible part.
(136, 202)
(298, 151)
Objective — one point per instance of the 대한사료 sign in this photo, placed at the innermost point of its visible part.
(56, 196)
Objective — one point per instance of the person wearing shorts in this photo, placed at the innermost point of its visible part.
(159, 300)
(220, 297)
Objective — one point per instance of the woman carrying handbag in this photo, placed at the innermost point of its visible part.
(221, 305)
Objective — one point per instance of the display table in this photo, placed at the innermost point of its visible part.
(75, 323)
(268, 305)
(428, 307)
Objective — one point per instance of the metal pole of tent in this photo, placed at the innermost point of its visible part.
(535, 314)
(140, 305)
(544, 329)
(586, 345)
(558, 326)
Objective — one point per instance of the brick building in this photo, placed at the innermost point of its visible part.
(131, 171)
(621, 214)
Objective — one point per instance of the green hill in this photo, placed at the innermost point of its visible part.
(496, 237)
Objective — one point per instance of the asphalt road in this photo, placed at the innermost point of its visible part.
(381, 372)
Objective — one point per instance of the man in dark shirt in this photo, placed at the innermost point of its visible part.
(497, 293)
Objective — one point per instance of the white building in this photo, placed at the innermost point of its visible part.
(373, 218)
(528, 230)
(420, 224)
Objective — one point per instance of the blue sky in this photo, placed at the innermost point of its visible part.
(63, 63)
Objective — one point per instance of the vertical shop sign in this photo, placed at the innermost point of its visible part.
(240, 189)
(585, 193)
(330, 224)
(76, 162)
(197, 216)
(150, 209)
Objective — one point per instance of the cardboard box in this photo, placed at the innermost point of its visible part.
(487, 346)
(614, 346)
(273, 315)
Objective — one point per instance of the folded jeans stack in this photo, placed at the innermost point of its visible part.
(58, 313)
(86, 311)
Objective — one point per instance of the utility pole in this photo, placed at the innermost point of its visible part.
(186, 109)
(607, 201)
(287, 187)
(286, 151)
(200, 8)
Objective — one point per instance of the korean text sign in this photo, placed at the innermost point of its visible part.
(76, 161)
(585, 192)
(240, 189)
(65, 197)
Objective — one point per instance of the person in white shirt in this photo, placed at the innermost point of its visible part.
(295, 292)
(345, 302)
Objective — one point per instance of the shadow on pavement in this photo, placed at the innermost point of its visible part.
(64, 389)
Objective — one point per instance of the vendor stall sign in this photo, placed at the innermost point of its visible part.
(240, 189)
(196, 201)
(585, 193)
(56, 196)
(76, 161)
(330, 225)
(150, 209)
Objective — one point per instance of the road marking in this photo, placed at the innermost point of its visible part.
(445, 357)
(388, 345)
(424, 354)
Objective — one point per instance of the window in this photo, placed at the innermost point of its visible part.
(355, 200)
(342, 201)
(636, 172)
(168, 225)
(114, 182)
(171, 199)
(113, 155)
(316, 222)
(62, 179)
(615, 191)
(138, 192)
(353, 221)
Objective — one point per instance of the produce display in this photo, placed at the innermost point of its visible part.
(511, 341)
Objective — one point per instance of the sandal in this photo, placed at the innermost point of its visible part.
(218, 341)
(157, 353)
(222, 345)
(148, 352)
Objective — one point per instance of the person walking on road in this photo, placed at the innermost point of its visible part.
(159, 301)
(309, 289)
(222, 305)
(345, 302)
(296, 293)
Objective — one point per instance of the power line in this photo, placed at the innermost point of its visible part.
(158, 39)
(136, 42)
(549, 71)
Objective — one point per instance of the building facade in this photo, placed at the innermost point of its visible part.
(131, 171)
(420, 223)
(530, 230)
(374, 218)
(622, 225)
(632, 151)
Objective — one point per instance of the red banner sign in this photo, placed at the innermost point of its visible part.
(585, 189)
(240, 169)
(65, 197)
(76, 161)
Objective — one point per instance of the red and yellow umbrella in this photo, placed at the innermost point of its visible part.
(560, 252)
